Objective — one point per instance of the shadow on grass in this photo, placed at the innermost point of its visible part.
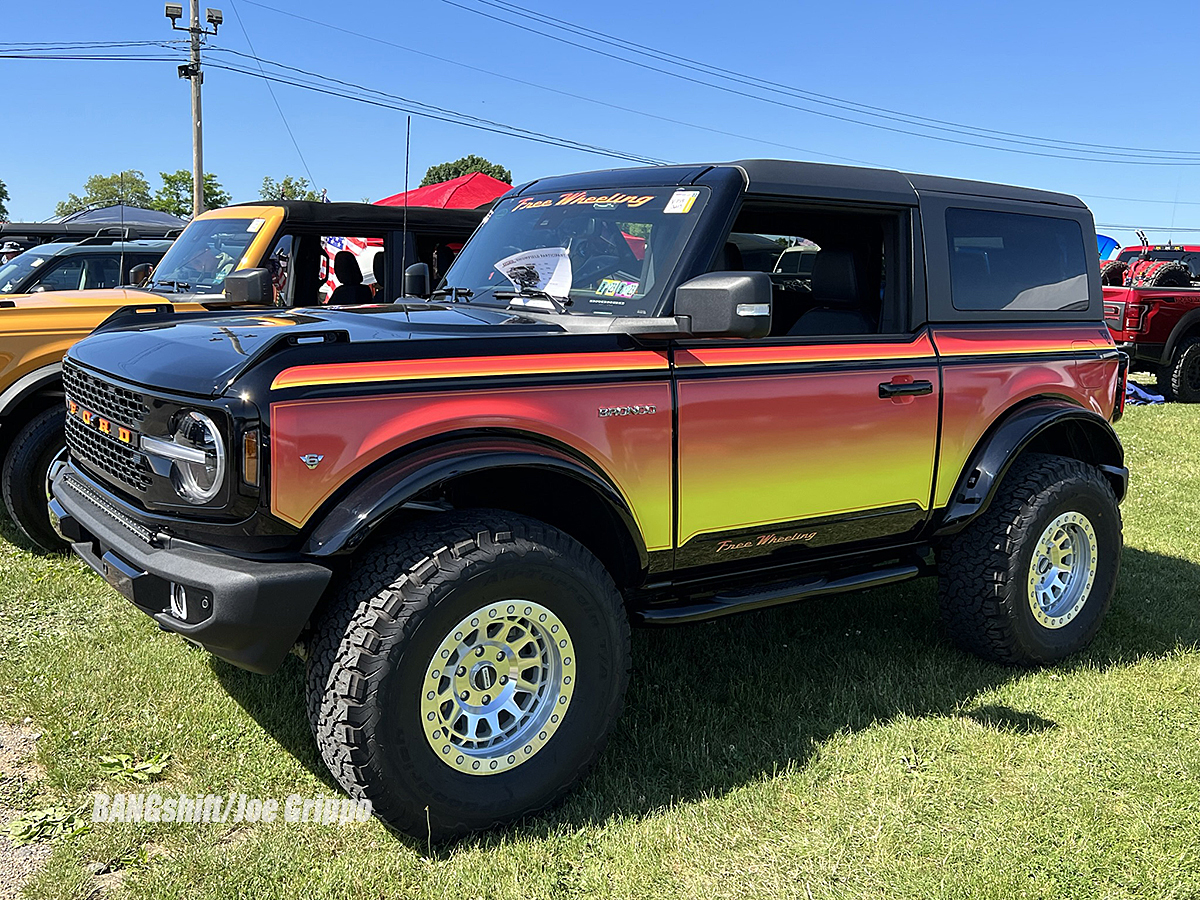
(717, 705)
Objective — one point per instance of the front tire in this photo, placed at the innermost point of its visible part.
(25, 477)
(467, 672)
(1030, 580)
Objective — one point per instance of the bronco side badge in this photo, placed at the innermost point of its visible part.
(312, 460)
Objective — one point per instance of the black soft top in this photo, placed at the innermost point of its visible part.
(311, 212)
(786, 178)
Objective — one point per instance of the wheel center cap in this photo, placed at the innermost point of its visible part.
(484, 676)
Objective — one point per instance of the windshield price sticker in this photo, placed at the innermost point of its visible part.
(681, 202)
(583, 198)
(254, 225)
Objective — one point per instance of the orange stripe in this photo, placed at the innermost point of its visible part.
(762, 356)
(468, 367)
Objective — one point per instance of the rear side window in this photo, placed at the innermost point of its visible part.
(1001, 260)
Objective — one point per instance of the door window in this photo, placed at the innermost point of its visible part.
(833, 272)
(66, 276)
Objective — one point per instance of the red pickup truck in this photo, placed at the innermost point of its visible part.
(1152, 308)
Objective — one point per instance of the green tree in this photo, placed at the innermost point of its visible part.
(175, 195)
(129, 187)
(465, 166)
(288, 188)
(3, 198)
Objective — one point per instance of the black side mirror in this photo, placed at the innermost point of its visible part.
(416, 281)
(250, 286)
(726, 304)
(139, 275)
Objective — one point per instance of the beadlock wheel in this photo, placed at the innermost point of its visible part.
(1062, 570)
(497, 687)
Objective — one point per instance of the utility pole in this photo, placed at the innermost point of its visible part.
(174, 12)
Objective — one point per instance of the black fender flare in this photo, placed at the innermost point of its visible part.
(393, 485)
(28, 385)
(1189, 322)
(1005, 441)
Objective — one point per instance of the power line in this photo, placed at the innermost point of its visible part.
(382, 100)
(1098, 154)
(1142, 200)
(274, 99)
(1147, 227)
(491, 73)
(416, 108)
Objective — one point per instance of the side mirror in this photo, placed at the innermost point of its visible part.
(139, 275)
(416, 281)
(726, 304)
(251, 287)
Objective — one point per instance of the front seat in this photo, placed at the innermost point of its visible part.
(835, 290)
(351, 288)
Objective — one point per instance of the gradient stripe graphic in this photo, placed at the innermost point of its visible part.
(469, 367)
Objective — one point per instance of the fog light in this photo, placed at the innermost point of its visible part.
(178, 601)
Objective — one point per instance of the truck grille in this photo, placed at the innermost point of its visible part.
(107, 400)
(125, 465)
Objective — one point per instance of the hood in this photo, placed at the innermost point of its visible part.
(203, 353)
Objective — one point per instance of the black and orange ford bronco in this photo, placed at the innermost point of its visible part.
(616, 405)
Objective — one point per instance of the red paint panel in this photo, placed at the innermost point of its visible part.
(976, 395)
(468, 367)
(352, 434)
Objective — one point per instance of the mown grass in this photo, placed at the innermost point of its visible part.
(838, 748)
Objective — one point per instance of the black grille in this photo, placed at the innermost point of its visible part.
(109, 401)
(126, 465)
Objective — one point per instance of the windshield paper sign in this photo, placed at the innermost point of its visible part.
(547, 269)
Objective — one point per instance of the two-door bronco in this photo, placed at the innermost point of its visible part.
(617, 405)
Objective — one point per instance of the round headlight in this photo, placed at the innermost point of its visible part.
(198, 479)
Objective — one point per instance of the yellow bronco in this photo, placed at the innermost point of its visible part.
(284, 254)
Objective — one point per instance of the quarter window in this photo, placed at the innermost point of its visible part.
(1012, 261)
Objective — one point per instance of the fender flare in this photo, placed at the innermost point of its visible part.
(1004, 442)
(28, 384)
(368, 504)
(1189, 321)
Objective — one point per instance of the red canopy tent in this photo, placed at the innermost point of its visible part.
(464, 192)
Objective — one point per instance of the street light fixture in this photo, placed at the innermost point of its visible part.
(174, 12)
(214, 18)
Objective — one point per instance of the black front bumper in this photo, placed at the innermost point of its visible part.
(248, 612)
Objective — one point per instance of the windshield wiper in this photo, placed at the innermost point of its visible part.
(454, 293)
(177, 286)
(532, 294)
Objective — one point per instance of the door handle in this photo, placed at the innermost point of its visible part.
(890, 389)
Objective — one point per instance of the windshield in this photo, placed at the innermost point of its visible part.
(604, 252)
(204, 254)
(15, 272)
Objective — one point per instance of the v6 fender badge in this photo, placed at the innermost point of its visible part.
(312, 460)
(607, 411)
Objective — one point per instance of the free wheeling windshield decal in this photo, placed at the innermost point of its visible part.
(583, 198)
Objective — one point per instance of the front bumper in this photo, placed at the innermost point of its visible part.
(248, 612)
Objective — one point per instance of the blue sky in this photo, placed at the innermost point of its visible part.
(1069, 71)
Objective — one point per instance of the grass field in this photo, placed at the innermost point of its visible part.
(838, 748)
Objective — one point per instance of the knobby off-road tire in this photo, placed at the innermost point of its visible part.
(410, 656)
(1029, 581)
(1182, 374)
(24, 477)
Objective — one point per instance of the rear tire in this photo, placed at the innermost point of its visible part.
(1030, 580)
(1183, 372)
(456, 651)
(25, 477)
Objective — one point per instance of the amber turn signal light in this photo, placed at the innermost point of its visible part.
(250, 457)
